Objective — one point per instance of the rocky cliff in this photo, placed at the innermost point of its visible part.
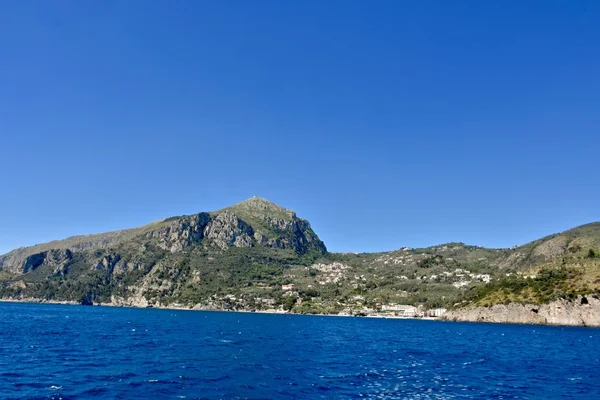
(581, 311)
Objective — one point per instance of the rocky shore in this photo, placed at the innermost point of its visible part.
(582, 311)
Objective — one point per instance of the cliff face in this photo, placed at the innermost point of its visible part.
(274, 226)
(582, 311)
(57, 259)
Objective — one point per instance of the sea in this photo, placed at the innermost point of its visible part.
(76, 352)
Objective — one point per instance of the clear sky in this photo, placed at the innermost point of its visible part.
(385, 124)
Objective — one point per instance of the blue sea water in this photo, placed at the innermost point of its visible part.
(77, 352)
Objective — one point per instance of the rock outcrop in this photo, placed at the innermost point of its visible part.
(180, 232)
(582, 311)
(57, 259)
(107, 263)
(225, 229)
(278, 227)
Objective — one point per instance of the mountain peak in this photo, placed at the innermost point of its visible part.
(258, 206)
(260, 202)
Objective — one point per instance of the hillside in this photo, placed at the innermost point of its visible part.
(559, 266)
(257, 255)
(560, 285)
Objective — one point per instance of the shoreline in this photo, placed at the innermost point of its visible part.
(450, 317)
(582, 311)
(178, 308)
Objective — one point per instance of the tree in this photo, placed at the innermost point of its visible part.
(592, 253)
(289, 303)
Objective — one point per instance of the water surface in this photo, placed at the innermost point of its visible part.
(74, 352)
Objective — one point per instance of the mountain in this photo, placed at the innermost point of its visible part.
(257, 255)
(178, 257)
(253, 222)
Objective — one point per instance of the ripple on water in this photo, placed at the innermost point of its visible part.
(139, 354)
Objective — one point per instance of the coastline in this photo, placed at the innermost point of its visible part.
(582, 311)
(180, 308)
(518, 314)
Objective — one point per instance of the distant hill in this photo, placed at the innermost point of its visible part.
(560, 266)
(257, 255)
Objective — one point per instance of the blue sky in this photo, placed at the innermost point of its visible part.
(385, 124)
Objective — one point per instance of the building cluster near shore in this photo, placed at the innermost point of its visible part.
(357, 306)
(377, 309)
(408, 311)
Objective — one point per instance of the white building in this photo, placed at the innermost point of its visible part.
(436, 312)
(401, 310)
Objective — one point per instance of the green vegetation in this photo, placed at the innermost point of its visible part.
(548, 284)
(254, 250)
(592, 254)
